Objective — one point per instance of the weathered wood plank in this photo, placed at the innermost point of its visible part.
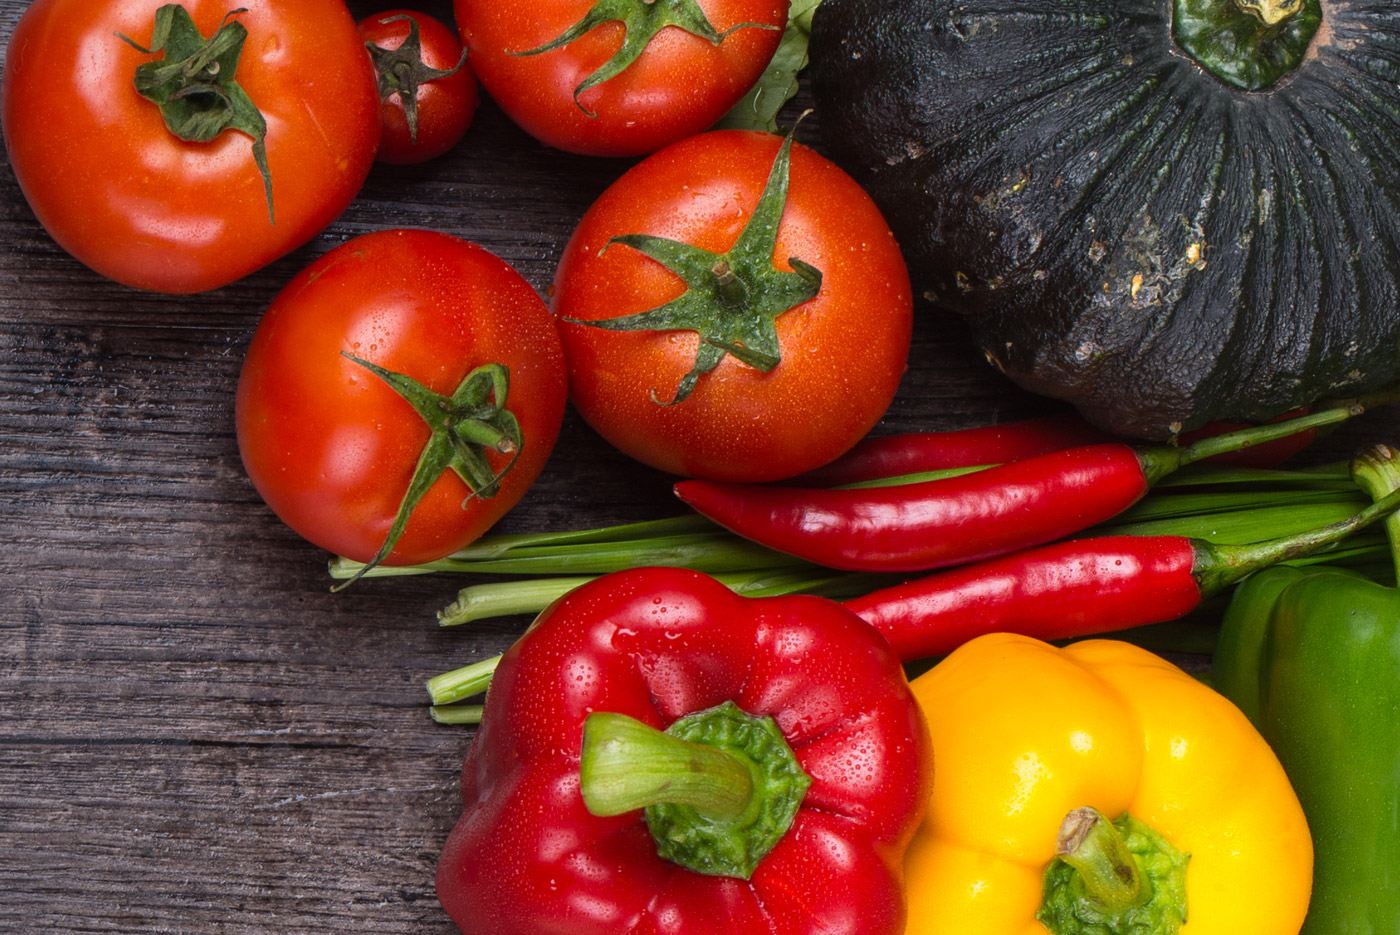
(195, 736)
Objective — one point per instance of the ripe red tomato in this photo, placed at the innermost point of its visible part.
(332, 447)
(842, 352)
(124, 195)
(444, 100)
(679, 85)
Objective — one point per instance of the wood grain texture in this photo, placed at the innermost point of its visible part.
(195, 736)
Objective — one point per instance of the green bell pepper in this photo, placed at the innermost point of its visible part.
(1312, 657)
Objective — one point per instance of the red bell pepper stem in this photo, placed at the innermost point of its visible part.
(1080, 587)
(936, 523)
(626, 765)
(917, 452)
(736, 781)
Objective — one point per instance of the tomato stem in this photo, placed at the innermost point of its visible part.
(732, 299)
(472, 419)
(195, 85)
(402, 70)
(641, 21)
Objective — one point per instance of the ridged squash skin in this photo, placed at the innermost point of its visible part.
(1121, 228)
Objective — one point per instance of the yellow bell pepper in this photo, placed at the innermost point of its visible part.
(1025, 733)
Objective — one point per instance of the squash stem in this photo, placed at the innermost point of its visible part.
(1272, 12)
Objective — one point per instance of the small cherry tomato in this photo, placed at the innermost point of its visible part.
(562, 70)
(733, 307)
(178, 147)
(400, 394)
(427, 91)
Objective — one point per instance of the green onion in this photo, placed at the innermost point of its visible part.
(1218, 504)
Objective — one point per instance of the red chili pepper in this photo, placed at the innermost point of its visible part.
(931, 524)
(936, 523)
(883, 456)
(1080, 587)
(553, 838)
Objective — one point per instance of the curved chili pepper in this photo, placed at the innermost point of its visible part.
(545, 844)
(883, 456)
(936, 523)
(1080, 587)
(931, 524)
(878, 457)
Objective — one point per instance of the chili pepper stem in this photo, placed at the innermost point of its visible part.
(1161, 460)
(1220, 566)
(627, 765)
(1090, 844)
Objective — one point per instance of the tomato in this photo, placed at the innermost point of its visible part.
(332, 448)
(840, 354)
(421, 59)
(679, 85)
(123, 194)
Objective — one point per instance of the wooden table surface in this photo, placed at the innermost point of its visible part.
(195, 735)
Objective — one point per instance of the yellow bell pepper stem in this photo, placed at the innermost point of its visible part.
(1113, 876)
(1090, 844)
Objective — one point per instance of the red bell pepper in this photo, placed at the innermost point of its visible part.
(822, 726)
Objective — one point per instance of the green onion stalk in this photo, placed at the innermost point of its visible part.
(1224, 505)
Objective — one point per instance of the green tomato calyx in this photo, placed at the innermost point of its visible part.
(195, 85)
(732, 299)
(463, 427)
(1116, 877)
(402, 70)
(641, 21)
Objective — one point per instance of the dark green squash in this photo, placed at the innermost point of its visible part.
(1158, 242)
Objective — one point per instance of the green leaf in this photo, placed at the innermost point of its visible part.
(758, 109)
